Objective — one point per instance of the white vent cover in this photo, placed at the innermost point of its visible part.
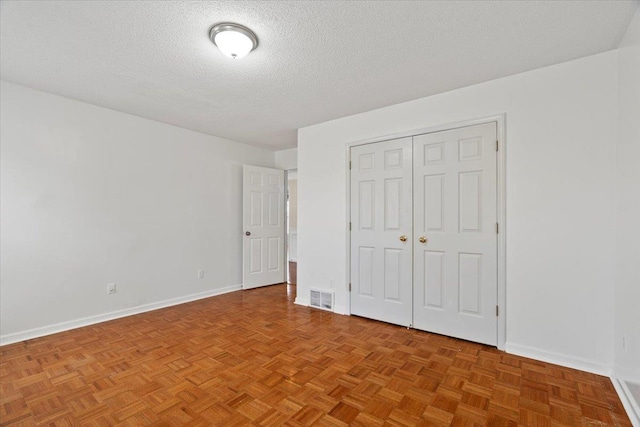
(322, 300)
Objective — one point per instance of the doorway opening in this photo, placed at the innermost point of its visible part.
(292, 224)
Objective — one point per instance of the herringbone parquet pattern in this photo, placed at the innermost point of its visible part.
(255, 358)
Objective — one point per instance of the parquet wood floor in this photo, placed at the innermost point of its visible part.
(255, 358)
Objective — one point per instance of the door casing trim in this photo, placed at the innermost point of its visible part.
(501, 192)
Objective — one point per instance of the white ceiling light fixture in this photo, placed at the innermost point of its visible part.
(233, 40)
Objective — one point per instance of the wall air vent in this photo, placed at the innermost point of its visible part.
(322, 300)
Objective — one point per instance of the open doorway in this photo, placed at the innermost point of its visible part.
(292, 224)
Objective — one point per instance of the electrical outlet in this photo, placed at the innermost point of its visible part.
(111, 288)
(200, 274)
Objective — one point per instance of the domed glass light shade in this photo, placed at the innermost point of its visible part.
(233, 40)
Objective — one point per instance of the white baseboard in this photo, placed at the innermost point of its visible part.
(626, 397)
(340, 309)
(302, 301)
(559, 359)
(91, 320)
(626, 374)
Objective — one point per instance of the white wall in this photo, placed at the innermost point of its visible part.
(561, 158)
(627, 279)
(92, 196)
(293, 203)
(287, 159)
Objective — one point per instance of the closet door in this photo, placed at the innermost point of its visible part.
(454, 239)
(381, 238)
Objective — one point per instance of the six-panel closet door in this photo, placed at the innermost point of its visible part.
(455, 240)
(423, 237)
(381, 223)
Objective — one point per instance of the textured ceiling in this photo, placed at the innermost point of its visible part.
(315, 61)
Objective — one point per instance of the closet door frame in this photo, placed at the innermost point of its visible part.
(501, 207)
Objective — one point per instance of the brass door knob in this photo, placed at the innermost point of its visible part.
(423, 239)
(403, 238)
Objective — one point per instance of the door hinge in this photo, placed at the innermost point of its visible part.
(349, 164)
(496, 311)
(497, 228)
(349, 226)
(349, 286)
(496, 145)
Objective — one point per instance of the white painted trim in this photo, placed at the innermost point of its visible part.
(340, 309)
(497, 117)
(347, 224)
(287, 233)
(627, 374)
(630, 405)
(559, 359)
(501, 210)
(502, 234)
(302, 301)
(92, 320)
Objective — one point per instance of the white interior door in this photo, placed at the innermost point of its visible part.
(264, 232)
(455, 269)
(381, 274)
